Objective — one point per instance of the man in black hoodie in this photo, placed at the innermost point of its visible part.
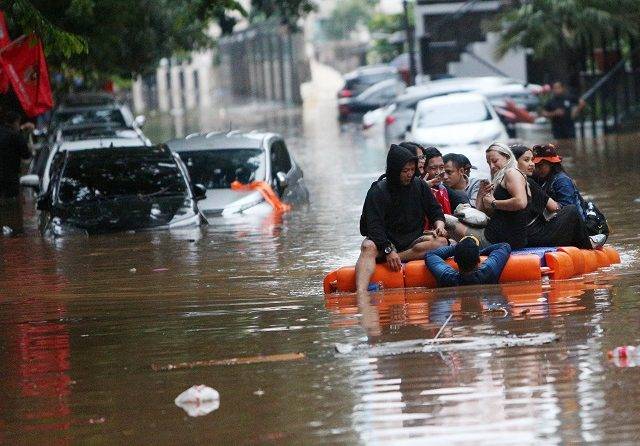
(393, 218)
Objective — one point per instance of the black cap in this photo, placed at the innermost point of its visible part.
(465, 162)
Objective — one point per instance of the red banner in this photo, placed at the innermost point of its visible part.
(4, 34)
(4, 41)
(25, 66)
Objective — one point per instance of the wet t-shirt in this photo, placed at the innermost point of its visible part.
(563, 127)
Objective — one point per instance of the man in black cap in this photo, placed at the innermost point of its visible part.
(393, 218)
(467, 255)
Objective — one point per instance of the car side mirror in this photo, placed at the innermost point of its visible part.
(199, 192)
(140, 120)
(31, 180)
(282, 180)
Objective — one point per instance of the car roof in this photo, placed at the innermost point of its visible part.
(370, 70)
(219, 141)
(453, 99)
(88, 99)
(99, 143)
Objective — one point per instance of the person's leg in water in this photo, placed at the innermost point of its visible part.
(421, 246)
(366, 265)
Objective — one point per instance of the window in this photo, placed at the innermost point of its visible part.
(280, 161)
(217, 169)
(435, 115)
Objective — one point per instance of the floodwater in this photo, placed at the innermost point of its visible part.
(87, 321)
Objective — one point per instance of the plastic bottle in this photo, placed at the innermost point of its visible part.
(375, 286)
(625, 356)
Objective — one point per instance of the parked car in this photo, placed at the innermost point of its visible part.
(359, 80)
(117, 189)
(217, 159)
(374, 97)
(400, 113)
(457, 121)
(40, 168)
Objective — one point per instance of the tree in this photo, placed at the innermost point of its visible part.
(557, 30)
(115, 37)
(345, 17)
(289, 11)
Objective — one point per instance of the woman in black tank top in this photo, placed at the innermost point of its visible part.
(506, 200)
(508, 203)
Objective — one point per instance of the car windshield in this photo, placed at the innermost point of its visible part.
(217, 169)
(89, 116)
(111, 173)
(436, 115)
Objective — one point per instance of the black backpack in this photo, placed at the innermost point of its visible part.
(594, 219)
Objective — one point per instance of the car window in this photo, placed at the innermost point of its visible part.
(435, 115)
(280, 160)
(108, 174)
(217, 169)
(93, 116)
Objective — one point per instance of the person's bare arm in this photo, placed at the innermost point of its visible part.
(516, 186)
(552, 205)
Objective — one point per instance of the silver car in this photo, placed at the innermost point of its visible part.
(216, 160)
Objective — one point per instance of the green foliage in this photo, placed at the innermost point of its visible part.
(115, 37)
(289, 11)
(553, 28)
(346, 16)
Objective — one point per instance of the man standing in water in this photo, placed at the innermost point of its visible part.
(561, 110)
(393, 218)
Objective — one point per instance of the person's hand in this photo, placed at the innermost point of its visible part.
(487, 200)
(434, 181)
(440, 230)
(28, 126)
(393, 261)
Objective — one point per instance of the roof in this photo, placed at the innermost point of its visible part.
(453, 99)
(218, 141)
(370, 69)
(100, 143)
(87, 99)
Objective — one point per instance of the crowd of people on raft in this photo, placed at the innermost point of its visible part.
(428, 206)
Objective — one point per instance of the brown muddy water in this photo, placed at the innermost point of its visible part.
(84, 319)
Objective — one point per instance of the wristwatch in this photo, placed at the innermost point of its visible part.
(389, 249)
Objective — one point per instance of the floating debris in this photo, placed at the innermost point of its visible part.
(229, 361)
(448, 344)
(197, 401)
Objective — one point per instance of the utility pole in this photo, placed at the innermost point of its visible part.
(412, 53)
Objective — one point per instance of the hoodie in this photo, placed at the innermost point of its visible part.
(393, 213)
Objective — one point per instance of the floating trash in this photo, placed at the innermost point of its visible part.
(197, 401)
(446, 344)
(625, 356)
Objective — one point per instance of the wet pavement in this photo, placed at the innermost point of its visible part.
(86, 319)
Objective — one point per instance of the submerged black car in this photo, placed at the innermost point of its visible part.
(118, 189)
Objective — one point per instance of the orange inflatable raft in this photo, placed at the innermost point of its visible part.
(523, 266)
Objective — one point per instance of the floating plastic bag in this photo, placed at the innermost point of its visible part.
(198, 400)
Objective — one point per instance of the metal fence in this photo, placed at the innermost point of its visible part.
(266, 61)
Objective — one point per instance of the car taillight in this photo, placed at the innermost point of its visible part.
(390, 119)
(344, 93)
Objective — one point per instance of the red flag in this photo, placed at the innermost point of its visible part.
(4, 41)
(24, 63)
(4, 34)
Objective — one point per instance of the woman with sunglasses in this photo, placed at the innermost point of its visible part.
(548, 223)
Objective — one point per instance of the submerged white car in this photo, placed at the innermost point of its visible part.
(216, 160)
(458, 123)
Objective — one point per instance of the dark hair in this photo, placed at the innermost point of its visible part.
(455, 159)
(466, 254)
(519, 150)
(413, 146)
(431, 152)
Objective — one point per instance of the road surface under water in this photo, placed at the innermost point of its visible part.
(85, 320)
